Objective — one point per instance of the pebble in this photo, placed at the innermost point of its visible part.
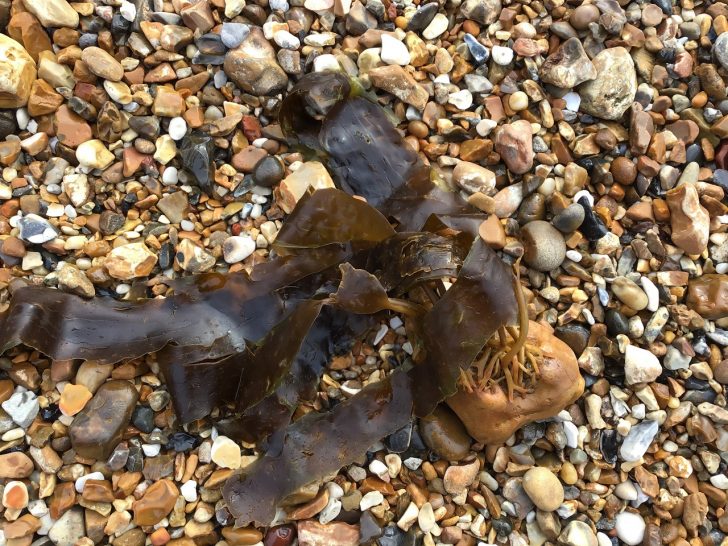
(638, 440)
(502, 55)
(630, 528)
(36, 230)
(22, 407)
(394, 51)
(640, 366)
(629, 293)
(98, 428)
(226, 453)
(514, 143)
(544, 246)
(237, 248)
(543, 488)
(613, 89)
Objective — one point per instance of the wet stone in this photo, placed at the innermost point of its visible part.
(156, 503)
(196, 153)
(444, 434)
(268, 172)
(98, 428)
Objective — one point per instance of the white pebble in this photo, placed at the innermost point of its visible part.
(189, 490)
(235, 249)
(177, 128)
(502, 55)
(574, 255)
(720, 481)
(394, 51)
(630, 528)
(653, 295)
(462, 99)
(151, 450)
(371, 499)
(378, 468)
(81, 482)
(286, 40)
(437, 26)
(485, 126)
(626, 491)
(573, 101)
(325, 63)
(128, 10)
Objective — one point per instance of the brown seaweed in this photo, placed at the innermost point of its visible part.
(263, 340)
(318, 444)
(461, 322)
(330, 216)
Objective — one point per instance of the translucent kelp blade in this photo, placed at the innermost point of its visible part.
(460, 323)
(318, 444)
(214, 323)
(199, 387)
(333, 333)
(306, 104)
(263, 373)
(360, 292)
(329, 216)
(367, 156)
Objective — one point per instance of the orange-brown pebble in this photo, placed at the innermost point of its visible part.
(15, 495)
(73, 399)
(156, 503)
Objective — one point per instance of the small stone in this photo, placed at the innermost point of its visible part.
(629, 293)
(708, 296)
(127, 262)
(93, 154)
(102, 64)
(72, 279)
(457, 478)
(69, 528)
(690, 222)
(394, 51)
(395, 80)
(173, 206)
(313, 533)
(474, 178)
(437, 26)
(253, 66)
(638, 440)
(612, 92)
(630, 528)
(720, 49)
(444, 434)
(502, 55)
(15, 465)
(544, 246)
(293, 187)
(543, 488)
(237, 248)
(15, 495)
(156, 503)
(484, 12)
(73, 399)
(514, 143)
(569, 219)
(36, 230)
(22, 407)
(568, 66)
(577, 533)
(53, 13)
(98, 428)
(233, 34)
(640, 366)
(268, 172)
(226, 453)
(192, 258)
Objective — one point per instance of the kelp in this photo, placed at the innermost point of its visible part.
(388, 239)
(319, 444)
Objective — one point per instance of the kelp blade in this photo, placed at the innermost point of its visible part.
(318, 444)
(460, 323)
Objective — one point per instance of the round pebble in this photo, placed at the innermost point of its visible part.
(544, 246)
(543, 488)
